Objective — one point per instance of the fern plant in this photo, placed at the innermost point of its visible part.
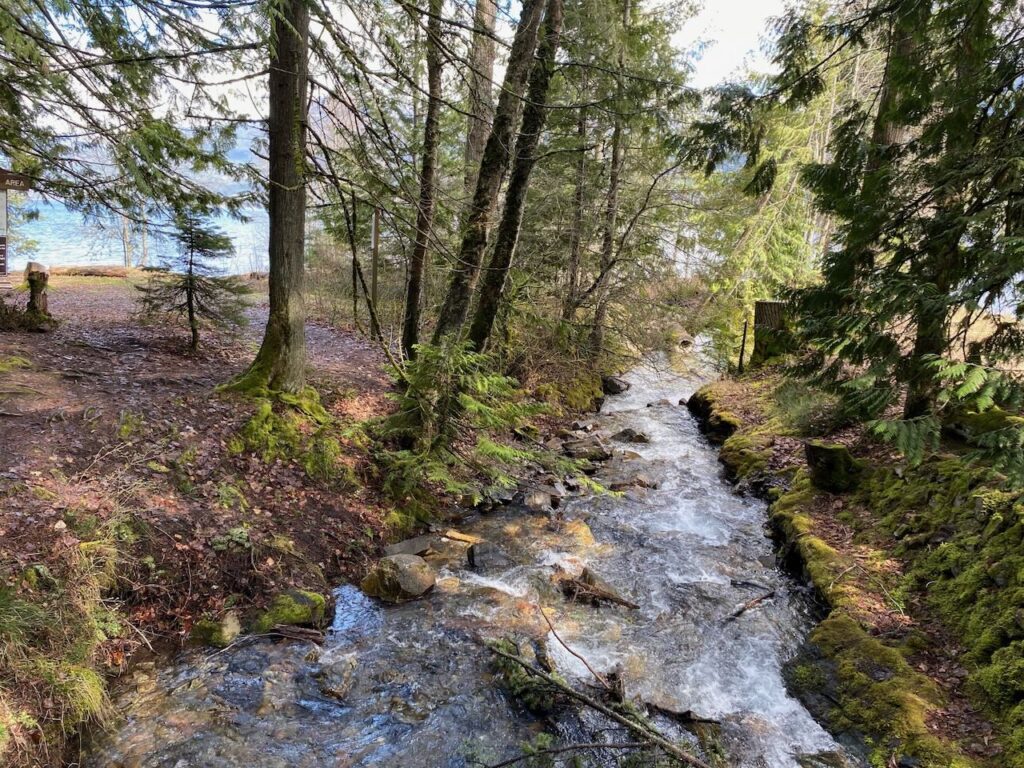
(452, 410)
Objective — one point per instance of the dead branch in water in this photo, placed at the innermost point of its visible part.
(562, 642)
(643, 731)
(748, 605)
(591, 588)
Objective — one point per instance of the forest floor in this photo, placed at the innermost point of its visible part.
(127, 510)
(887, 662)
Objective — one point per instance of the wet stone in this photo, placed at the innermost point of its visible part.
(537, 500)
(337, 677)
(397, 578)
(486, 557)
(630, 435)
(613, 385)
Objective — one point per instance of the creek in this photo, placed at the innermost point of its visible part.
(420, 689)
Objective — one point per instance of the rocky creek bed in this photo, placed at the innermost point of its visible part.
(414, 684)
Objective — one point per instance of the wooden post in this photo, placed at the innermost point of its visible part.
(743, 346)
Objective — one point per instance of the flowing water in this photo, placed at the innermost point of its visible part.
(690, 553)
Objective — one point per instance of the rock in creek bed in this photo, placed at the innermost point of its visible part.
(398, 578)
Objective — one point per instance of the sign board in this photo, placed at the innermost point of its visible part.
(10, 180)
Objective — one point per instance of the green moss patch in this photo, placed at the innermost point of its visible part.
(717, 422)
(746, 455)
(961, 530)
(296, 607)
(877, 695)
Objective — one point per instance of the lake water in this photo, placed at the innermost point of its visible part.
(59, 237)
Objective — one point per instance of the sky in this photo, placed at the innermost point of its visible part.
(733, 30)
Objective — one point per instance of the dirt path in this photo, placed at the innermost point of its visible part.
(105, 421)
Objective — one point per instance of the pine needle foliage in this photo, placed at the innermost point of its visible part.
(923, 179)
(189, 287)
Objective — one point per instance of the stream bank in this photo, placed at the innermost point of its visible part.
(917, 568)
(412, 684)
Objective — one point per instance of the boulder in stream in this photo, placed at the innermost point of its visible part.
(613, 385)
(486, 557)
(630, 435)
(336, 677)
(398, 578)
(537, 500)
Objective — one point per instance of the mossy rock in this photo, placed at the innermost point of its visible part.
(971, 425)
(218, 633)
(295, 607)
(399, 578)
(716, 422)
(833, 468)
(879, 695)
(745, 455)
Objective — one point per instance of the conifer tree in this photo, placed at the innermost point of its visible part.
(926, 255)
(191, 284)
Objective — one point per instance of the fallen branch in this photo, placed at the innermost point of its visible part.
(562, 642)
(592, 588)
(748, 605)
(641, 730)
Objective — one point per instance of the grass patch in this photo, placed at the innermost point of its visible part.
(53, 622)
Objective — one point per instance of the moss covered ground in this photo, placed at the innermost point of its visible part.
(919, 656)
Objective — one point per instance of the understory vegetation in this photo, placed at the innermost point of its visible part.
(504, 206)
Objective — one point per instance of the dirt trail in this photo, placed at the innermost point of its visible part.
(109, 418)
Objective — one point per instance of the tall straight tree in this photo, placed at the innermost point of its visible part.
(493, 167)
(428, 172)
(612, 197)
(534, 117)
(280, 364)
(480, 82)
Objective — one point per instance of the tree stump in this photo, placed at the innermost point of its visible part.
(832, 467)
(771, 332)
(38, 277)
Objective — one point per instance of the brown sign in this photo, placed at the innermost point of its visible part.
(3, 254)
(10, 180)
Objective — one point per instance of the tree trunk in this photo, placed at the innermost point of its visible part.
(611, 203)
(534, 116)
(425, 214)
(193, 322)
(888, 131)
(576, 235)
(492, 171)
(481, 83)
(281, 362)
